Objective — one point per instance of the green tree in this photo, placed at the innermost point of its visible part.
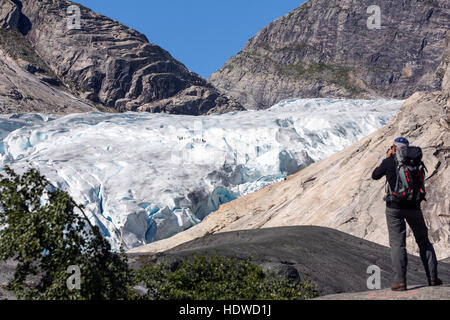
(218, 278)
(41, 230)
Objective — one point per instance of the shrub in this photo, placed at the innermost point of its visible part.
(218, 278)
(40, 229)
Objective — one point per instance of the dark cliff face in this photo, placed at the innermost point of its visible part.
(325, 49)
(111, 65)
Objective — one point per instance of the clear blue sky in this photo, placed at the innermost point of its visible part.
(202, 34)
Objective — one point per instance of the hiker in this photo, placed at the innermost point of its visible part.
(405, 174)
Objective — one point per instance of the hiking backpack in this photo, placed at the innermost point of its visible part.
(410, 184)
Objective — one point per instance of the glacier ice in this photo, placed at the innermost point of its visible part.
(144, 177)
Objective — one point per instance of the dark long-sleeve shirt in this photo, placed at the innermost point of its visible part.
(388, 168)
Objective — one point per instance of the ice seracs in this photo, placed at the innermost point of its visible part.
(144, 177)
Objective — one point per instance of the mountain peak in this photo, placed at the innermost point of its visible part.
(107, 64)
(329, 49)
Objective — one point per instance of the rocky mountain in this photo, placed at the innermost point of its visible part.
(338, 192)
(325, 48)
(103, 63)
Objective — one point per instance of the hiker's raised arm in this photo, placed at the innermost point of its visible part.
(380, 171)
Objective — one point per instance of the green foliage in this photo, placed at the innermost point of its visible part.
(43, 233)
(218, 278)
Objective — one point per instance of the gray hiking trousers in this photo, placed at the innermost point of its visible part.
(397, 240)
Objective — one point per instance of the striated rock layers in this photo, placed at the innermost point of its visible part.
(325, 49)
(27, 84)
(9, 14)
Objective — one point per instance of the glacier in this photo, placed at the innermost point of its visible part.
(144, 177)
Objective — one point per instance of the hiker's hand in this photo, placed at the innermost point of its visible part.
(390, 153)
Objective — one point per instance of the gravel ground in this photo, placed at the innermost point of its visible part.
(413, 293)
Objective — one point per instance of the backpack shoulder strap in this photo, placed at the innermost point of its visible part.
(424, 166)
